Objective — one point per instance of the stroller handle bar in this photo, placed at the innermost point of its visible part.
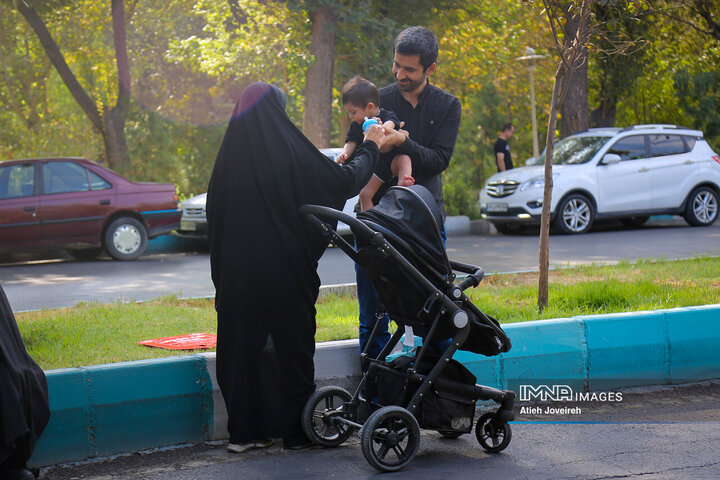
(318, 212)
(331, 215)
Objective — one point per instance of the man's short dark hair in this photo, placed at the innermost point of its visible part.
(360, 91)
(418, 41)
(507, 126)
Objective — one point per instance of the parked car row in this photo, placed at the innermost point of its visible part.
(83, 207)
(628, 174)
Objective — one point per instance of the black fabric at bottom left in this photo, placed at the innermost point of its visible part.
(24, 406)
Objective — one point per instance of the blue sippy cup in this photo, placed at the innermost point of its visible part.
(369, 122)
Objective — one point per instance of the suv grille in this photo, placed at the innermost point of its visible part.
(501, 189)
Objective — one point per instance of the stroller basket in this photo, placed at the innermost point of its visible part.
(400, 248)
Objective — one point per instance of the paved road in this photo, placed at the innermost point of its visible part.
(166, 270)
(663, 433)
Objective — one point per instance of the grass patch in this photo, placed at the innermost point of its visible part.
(90, 334)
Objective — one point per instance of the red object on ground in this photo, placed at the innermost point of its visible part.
(191, 341)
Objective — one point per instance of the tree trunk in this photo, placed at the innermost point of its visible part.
(574, 109)
(115, 144)
(318, 89)
(544, 247)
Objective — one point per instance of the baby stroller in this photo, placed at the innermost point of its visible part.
(400, 248)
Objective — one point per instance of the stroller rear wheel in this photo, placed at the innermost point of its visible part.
(491, 438)
(390, 438)
(319, 417)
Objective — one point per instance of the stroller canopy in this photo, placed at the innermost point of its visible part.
(413, 215)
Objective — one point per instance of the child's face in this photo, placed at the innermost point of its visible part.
(357, 114)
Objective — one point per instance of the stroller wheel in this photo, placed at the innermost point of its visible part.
(490, 438)
(320, 413)
(450, 434)
(390, 438)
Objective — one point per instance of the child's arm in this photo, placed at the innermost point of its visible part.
(347, 151)
(368, 192)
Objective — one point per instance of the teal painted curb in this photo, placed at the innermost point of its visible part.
(108, 409)
(602, 352)
(126, 407)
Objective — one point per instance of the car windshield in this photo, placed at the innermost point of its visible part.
(574, 150)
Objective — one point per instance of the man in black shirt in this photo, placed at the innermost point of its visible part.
(502, 149)
(432, 118)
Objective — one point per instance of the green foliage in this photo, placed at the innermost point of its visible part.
(190, 59)
(178, 153)
(699, 96)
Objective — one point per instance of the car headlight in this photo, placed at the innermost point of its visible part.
(535, 182)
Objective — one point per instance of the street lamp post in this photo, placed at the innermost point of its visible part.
(530, 57)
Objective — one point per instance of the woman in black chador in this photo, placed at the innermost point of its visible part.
(263, 258)
(24, 409)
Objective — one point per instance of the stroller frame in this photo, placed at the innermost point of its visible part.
(390, 435)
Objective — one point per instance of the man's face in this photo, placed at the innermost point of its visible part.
(409, 73)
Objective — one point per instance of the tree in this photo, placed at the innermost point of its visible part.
(573, 54)
(108, 121)
(317, 116)
(571, 46)
(574, 102)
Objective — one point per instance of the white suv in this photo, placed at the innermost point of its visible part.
(628, 174)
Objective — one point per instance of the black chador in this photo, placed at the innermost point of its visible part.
(264, 258)
(24, 410)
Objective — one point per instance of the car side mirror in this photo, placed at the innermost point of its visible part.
(611, 158)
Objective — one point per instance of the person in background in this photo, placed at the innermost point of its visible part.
(502, 149)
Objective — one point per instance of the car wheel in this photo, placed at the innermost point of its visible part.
(85, 254)
(702, 207)
(126, 239)
(575, 214)
(634, 221)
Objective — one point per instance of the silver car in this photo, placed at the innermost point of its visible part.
(194, 222)
(628, 174)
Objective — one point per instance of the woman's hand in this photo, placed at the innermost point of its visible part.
(376, 134)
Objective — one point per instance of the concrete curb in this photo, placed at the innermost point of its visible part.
(108, 409)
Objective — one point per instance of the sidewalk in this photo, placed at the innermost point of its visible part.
(654, 445)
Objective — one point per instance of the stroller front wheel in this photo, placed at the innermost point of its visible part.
(489, 437)
(390, 438)
(320, 416)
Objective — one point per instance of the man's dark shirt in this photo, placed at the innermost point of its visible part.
(501, 146)
(433, 126)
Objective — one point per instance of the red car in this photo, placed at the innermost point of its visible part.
(78, 205)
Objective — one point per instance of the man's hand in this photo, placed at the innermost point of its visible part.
(394, 138)
(342, 158)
